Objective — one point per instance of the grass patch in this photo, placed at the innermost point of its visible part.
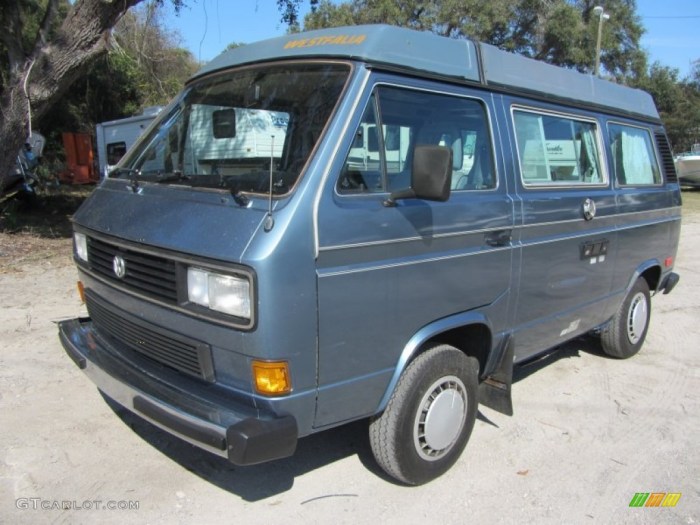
(691, 202)
(48, 216)
(41, 230)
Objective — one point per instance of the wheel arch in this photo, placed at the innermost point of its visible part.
(651, 272)
(469, 332)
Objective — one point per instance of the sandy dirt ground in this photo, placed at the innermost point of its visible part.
(588, 433)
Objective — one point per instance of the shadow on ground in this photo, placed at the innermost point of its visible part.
(588, 344)
(253, 483)
(48, 215)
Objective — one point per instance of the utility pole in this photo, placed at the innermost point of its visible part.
(602, 16)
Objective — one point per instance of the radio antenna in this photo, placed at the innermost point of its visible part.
(269, 221)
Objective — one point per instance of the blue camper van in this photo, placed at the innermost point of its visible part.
(424, 214)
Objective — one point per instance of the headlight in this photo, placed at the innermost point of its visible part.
(223, 293)
(81, 250)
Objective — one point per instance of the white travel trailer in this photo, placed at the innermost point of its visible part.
(233, 139)
(221, 141)
(115, 137)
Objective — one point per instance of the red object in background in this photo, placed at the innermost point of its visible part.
(80, 161)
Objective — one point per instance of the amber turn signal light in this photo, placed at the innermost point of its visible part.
(81, 291)
(272, 378)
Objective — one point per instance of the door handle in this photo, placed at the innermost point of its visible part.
(499, 238)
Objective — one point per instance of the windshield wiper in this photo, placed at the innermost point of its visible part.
(135, 174)
(176, 176)
(118, 172)
(240, 198)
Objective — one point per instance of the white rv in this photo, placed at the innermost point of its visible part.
(231, 139)
(228, 141)
(115, 137)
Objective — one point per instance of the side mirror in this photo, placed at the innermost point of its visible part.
(431, 175)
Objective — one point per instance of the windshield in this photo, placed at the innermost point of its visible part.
(229, 130)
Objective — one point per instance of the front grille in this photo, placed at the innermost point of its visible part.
(174, 350)
(146, 274)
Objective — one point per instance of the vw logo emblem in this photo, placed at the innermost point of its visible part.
(119, 266)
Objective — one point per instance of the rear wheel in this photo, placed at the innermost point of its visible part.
(429, 418)
(626, 331)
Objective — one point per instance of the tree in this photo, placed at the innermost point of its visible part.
(561, 32)
(695, 73)
(289, 10)
(145, 66)
(43, 61)
(161, 65)
(46, 45)
(678, 102)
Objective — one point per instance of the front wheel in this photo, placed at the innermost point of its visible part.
(429, 418)
(625, 333)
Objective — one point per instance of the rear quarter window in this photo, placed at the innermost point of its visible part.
(634, 160)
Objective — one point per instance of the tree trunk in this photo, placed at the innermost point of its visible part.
(52, 67)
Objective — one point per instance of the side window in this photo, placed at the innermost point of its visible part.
(633, 155)
(397, 139)
(557, 150)
(115, 151)
(362, 170)
(396, 120)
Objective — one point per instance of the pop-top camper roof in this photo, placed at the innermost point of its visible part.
(426, 54)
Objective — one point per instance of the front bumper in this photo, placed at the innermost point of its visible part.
(242, 434)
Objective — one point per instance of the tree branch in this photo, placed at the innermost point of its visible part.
(42, 35)
(83, 36)
(11, 36)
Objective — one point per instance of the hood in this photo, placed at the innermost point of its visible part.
(202, 223)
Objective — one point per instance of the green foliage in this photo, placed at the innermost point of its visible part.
(561, 32)
(109, 91)
(328, 14)
(289, 11)
(146, 67)
(694, 77)
(161, 66)
(678, 102)
(20, 21)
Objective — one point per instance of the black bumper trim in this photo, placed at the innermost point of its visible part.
(253, 441)
(246, 439)
(78, 358)
(196, 432)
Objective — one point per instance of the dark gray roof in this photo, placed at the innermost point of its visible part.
(427, 54)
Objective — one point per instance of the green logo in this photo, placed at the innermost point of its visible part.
(655, 499)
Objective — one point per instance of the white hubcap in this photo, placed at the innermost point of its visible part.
(440, 418)
(637, 318)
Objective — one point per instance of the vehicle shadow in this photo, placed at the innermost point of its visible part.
(257, 482)
(588, 344)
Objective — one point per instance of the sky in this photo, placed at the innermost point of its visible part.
(207, 26)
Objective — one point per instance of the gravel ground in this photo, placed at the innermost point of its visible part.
(588, 432)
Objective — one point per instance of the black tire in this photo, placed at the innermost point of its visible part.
(418, 438)
(625, 333)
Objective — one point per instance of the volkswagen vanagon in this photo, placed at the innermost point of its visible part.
(368, 223)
